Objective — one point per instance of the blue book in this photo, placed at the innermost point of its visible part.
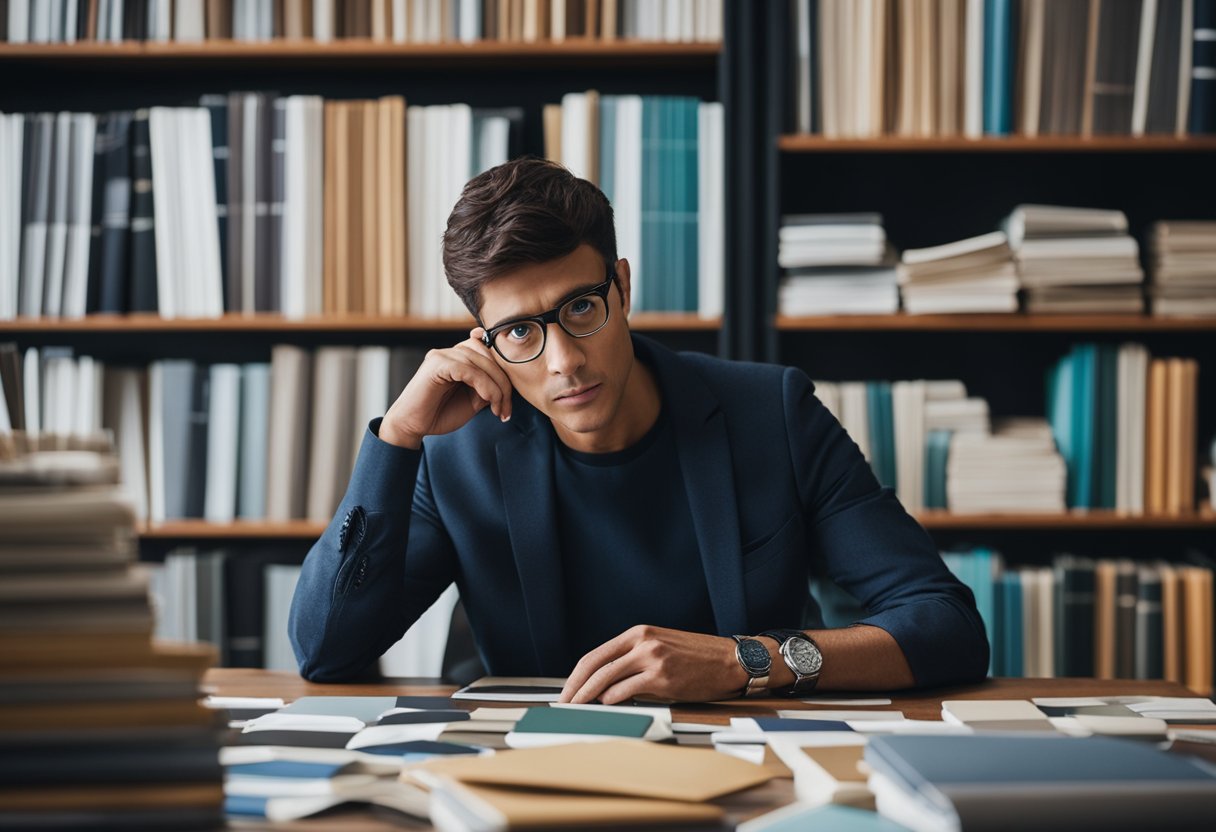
(1011, 624)
(984, 563)
(798, 817)
(608, 146)
(1084, 414)
(937, 456)
(882, 431)
(998, 782)
(691, 199)
(1059, 415)
(998, 67)
(285, 768)
(245, 805)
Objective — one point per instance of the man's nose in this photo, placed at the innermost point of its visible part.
(563, 352)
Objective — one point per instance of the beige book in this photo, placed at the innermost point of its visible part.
(1104, 619)
(552, 115)
(1176, 450)
(591, 18)
(829, 68)
(1172, 623)
(1033, 13)
(293, 19)
(329, 462)
(608, 19)
(1091, 67)
(340, 187)
(287, 461)
(457, 805)
(1188, 443)
(1155, 438)
(625, 768)
(370, 227)
(329, 224)
(394, 301)
(1197, 589)
(949, 67)
(880, 66)
(826, 774)
(355, 207)
(1003, 714)
(379, 20)
(926, 93)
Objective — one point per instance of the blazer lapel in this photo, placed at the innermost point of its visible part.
(525, 471)
(701, 442)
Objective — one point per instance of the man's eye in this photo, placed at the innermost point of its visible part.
(520, 332)
(580, 307)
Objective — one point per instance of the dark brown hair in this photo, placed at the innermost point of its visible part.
(525, 211)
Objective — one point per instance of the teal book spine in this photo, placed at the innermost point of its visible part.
(937, 457)
(1011, 623)
(983, 568)
(608, 146)
(998, 67)
(651, 233)
(692, 200)
(1084, 415)
(882, 435)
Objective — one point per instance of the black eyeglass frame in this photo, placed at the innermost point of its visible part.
(553, 316)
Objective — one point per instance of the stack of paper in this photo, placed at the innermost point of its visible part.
(1015, 470)
(836, 264)
(582, 784)
(972, 275)
(1076, 260)
(99, 727)
(1183, 268)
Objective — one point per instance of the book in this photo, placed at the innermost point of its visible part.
(1049, 782)
(512, 689)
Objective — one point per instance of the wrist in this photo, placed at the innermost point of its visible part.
(402, 439)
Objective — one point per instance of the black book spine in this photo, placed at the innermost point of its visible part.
(1075, 625)
(244, 610)
(1150, 637)
(264, 294)
(1203, 70)
(1126, 594)
(217, 106)
(93, 301)
(196, 458)
(116, 218)
(143, 237)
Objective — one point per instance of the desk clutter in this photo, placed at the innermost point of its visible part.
(467, 765)
(100, 727)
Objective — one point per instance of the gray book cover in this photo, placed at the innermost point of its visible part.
(254, 427)
(176, 411)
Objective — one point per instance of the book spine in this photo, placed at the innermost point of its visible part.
(217, 106)
(1149, 650)
(116, 231)
(998, 67)
(144, 296)
(1203, 69)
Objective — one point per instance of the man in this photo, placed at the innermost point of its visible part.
(641, 521)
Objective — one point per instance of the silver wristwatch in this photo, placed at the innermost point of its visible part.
(754, 659)
(801, 655)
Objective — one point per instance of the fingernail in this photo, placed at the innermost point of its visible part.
(506, 418)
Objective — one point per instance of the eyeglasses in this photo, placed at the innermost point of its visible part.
(523, 339)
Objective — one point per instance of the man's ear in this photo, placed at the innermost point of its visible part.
(623, 280)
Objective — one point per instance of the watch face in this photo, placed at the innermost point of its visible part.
(755, 656)
(805, 656)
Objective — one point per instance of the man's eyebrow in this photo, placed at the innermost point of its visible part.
(571, 295)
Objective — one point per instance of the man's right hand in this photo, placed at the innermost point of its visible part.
(449, 389)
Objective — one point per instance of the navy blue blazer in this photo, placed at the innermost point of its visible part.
(774, 483)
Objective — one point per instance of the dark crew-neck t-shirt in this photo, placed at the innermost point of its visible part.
(629, 551)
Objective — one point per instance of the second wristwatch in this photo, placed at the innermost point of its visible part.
(801, 655)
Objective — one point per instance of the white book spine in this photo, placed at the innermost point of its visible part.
(208, 230)
(70, 11)
(470, 17)
(314, 180)
(1185, 48)
(191, 270)
(574, 134)
(156, 442)
(12, 141)
(322, 20)
(401, 20)
(711, 225)
(557, 20)
(295, 209)
(55, 23)
(460, 140)
(131, 438)
(19, 21)
(973, 90)
(189, 20)
(57, 228)
(164, 176)
(76, 268)
(1144, 66)
(222, 443)
(627, 175)
(415, 163)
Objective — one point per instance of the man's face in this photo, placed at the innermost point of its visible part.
(579, 383)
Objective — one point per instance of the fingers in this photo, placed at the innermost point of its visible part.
(580, 686)
(467, 371)
(477, 353)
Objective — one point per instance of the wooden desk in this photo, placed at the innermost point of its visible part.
(778, 792)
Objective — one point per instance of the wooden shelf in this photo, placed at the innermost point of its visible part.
(1068, 521)
(1011, 322)
(801, 143)
(364, 52)
(239, 530)
(931, 520)
(144, 323)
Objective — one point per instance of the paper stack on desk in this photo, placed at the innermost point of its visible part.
(616, 782)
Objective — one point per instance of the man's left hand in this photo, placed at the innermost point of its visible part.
(657, 662)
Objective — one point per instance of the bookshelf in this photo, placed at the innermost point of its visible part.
(804, 143)
(1012, 323)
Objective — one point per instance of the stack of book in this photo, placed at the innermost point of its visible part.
(866, 68)
(1183, 268)
(1014, 470)
(384, 21)
(836, 264)
(195, 440)
(1126, 425)
(1083, 617)
(1076, 260)
(972, 275)
(101, 729)
(660, 160)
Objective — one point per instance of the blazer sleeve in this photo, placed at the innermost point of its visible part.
(382, 561)
(878, 553)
